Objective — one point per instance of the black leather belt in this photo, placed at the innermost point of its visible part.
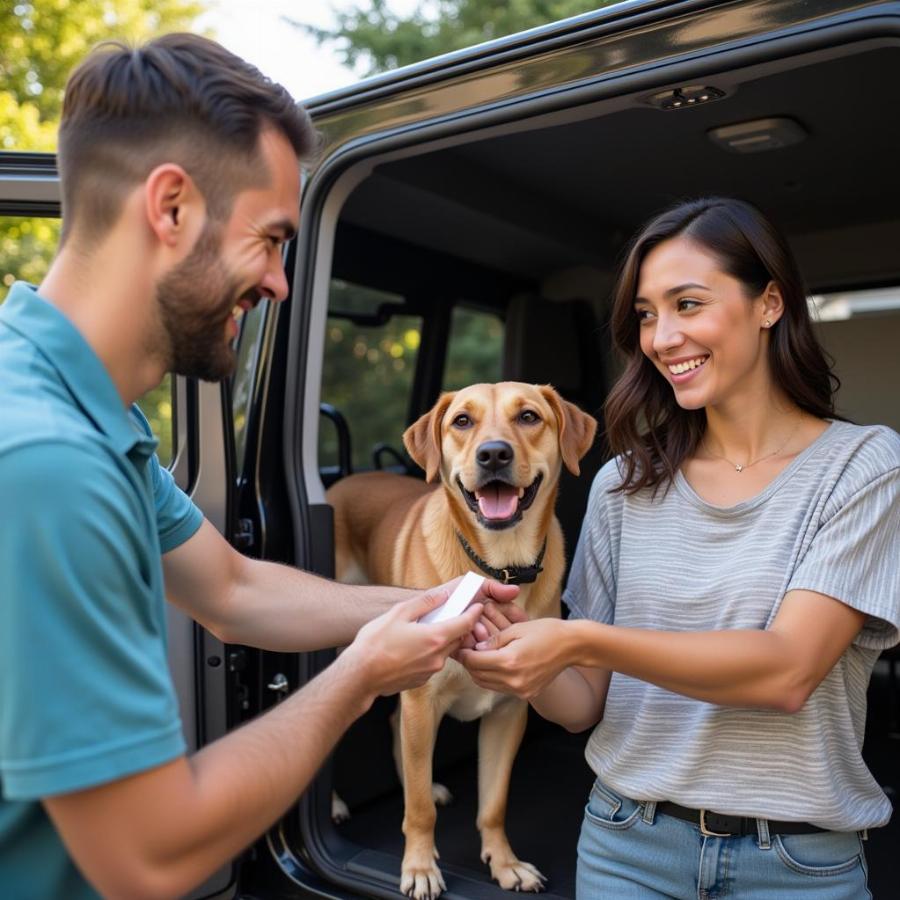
(713, 824)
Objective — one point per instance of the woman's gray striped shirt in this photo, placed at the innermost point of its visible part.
(829, 522)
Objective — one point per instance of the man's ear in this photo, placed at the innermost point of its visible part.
(175, 208)
(423, 438)
(576, 428)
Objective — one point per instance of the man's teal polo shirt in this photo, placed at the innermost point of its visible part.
(85, 691)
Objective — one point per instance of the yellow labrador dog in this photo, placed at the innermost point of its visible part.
(497, 450)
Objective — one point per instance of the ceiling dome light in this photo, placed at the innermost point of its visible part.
(758, 135)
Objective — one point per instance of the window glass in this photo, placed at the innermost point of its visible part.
(475, 349)
(27, 245)
(367, 372)
(242, 385)
(157, 405)
(850, 304)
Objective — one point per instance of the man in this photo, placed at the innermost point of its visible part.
(179, 173)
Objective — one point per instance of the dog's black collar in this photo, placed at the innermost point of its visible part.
(511, 574)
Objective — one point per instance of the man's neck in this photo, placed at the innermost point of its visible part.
(110, 300)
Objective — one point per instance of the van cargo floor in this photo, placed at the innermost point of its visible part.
(550, 786)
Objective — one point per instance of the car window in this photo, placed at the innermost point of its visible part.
(371, 347)
(27, 245)
(244, 378)
(474, 348)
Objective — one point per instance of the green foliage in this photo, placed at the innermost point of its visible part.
(379, 39)
(368, 369)
(44, 39)
(156, 405)
(367, 375)
(474, 351)
(26, 248)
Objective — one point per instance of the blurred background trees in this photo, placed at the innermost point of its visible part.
(376, 38)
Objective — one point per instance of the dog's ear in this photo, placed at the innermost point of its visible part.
(423, 438)
(576, 428)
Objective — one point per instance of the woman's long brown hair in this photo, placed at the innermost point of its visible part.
(645, 426)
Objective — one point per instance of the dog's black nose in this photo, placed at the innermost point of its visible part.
(494, 455)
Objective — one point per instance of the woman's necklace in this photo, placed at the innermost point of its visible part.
(738, 467)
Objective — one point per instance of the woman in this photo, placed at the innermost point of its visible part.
(734, 583)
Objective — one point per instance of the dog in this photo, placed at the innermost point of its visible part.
(492, 455)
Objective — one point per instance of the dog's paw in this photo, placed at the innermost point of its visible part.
(440, 795)
(514, 875)
(340, 812)
(420, 878)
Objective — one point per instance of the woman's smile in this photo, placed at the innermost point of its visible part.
(685, 369)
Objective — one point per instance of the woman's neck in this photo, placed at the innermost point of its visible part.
(753, 430)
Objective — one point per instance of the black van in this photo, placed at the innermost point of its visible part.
(464, 223)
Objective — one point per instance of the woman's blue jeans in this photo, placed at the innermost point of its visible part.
(629, 852)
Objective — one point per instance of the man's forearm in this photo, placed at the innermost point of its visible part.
(195, 814)
(244, 782)
(277, 607)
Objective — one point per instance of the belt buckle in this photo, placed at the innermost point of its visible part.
(706, 831)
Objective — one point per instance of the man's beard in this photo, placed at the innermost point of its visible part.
(195, 331)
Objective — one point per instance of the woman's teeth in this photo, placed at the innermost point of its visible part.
(681, 368)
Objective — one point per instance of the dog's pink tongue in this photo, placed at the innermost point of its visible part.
(498, 501)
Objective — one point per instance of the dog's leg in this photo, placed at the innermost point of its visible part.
(499, 737)
(420, 877)
(439, 792)
(340, 812)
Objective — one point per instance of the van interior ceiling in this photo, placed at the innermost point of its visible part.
(814, 143)
(534, 202)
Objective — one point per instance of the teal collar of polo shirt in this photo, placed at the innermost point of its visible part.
(40, 322)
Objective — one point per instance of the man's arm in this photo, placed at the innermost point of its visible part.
(267, 605)
(275, 607)
(161, 832)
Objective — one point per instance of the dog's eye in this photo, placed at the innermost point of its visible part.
(462, 421)
(529, 417)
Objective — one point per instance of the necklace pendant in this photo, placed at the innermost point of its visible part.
(738, 468)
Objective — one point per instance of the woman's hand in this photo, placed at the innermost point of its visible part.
(521, 659)
(495, 618)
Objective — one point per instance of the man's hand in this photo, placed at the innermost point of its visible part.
(489, 592)
(521, 659)
(499, 597)
(398, 653)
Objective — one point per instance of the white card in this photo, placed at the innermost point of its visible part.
(457, 602)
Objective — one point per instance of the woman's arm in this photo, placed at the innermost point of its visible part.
(575, 698)
(774, 669)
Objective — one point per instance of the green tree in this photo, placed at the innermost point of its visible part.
(379, 39)
(43, 41)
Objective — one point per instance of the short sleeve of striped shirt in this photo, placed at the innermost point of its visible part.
(854, 555)
(591, 588)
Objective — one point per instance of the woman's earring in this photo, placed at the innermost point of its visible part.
(768, 324)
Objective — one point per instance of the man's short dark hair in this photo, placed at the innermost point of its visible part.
(180, 98)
